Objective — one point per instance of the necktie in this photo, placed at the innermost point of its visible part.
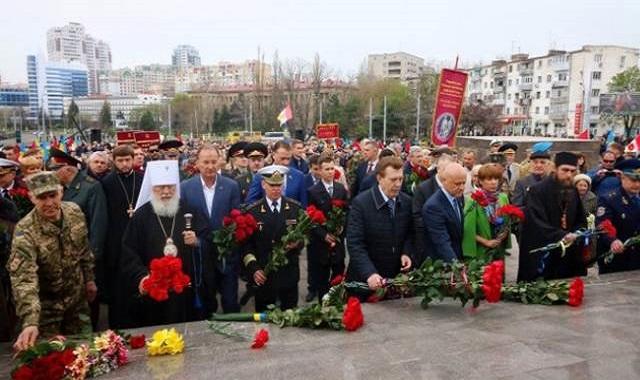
(370, 167)
(330, 190)
(456, 209)
(274, 205)
(509, 173)
(392, 207)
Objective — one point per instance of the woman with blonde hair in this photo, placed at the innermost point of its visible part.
(30, 165)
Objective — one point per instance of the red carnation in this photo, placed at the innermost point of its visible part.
(260, 339)
(352, 319)
(338, 203)
(511, 211)
(67, 357)
(316, 216)
(576, 292)
(492, 281)
(337, 280)
(240, 235)
(137, 341)
(336, 175)
(24, 372)
(226, 221)
(235, 213)
(608, 228)
(480, 198)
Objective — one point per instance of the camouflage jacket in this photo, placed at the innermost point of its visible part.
(49, 265)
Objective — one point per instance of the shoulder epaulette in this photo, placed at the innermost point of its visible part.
(611, 194)
(254, 204)
(295, 202)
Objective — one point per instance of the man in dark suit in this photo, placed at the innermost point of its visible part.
(312, 177)
(293, 186)
(255, 153)
(366, 168)
(443, 216)
(298, 160)
(215, 196)
(421, 195)
(325, 253)
(379, 228)
(273, 214)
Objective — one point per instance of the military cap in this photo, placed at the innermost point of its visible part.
(59, 158)
(170, 144)
(7, 166)
(255, 149)
(508, 148)
(495, 158)
(541, 150)
(42, 182)
(274, 174)
(495, 142)
(630, 168)
(439, 151)
(236, 149)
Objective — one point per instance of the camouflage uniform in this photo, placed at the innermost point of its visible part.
(49, 267)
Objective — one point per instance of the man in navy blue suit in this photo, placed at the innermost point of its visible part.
(368, 167)
(293, 183)
(443, 217)
(313, 176)
(298, 160)
(215, 196)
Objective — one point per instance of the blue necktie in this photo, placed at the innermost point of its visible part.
(392, 207)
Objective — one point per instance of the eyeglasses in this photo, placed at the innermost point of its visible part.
(608, 161)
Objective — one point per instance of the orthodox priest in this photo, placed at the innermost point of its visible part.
(163, 225)
(554, 211)
(121, 188)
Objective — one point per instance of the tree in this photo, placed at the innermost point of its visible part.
(147, 122)
(105, 116)
(480, 119)
(627, 81)
(427, 88)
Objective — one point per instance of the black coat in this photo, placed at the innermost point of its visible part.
(318, 247)
(542, 226)
(421, 195)
(375, 240)
(270, 230)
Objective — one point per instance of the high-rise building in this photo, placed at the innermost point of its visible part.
(185, 56)
(50, 82)
(402, 66)
(542, 95)
(13, 96)
(71, 43)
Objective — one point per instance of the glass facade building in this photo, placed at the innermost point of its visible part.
(14, 97)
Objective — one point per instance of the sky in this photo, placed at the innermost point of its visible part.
(342, 32)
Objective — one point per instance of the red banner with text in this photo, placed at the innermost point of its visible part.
(328, 131)
(577, 124)
(448, 107)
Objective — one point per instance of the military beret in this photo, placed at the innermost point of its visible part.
(541, 150)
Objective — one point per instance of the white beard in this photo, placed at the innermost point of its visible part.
(165, 208)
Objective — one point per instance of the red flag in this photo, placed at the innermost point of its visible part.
(285, 115)
(584, 135)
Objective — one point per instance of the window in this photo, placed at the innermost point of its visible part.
(510, 68)
(538, 95)
(537, 110)
(485, 84)
(594, 109)
(518, 81)
(562, 76)
(517, 95)
(547, 94)
(622, 61)
(549, 78)
(559, 93)
(509, 97)
(539, 78)
(540, 63)
(491, 84)
(510, 82)
(596, 75)
(508, 111)
(597, 58)
(546, 110)
(595, 92)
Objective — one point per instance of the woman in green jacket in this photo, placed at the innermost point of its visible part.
(485, 235)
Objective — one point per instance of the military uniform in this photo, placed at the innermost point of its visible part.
(244, 180)
(49, 267)
(283, 284)
(623, 210)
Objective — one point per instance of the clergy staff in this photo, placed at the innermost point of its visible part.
(161, 225)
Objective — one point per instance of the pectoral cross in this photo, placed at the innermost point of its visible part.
(130, 211)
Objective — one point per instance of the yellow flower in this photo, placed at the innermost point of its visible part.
(101, 342)
(165, 342)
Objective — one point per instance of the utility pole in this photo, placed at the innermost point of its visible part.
(384, 122)
(169, 116)
(370, 117)
(418, 121)
(320, 104)
(251, 118)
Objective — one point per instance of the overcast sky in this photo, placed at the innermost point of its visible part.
(343, 32)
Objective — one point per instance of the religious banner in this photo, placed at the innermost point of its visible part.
(125, 137)
(448, 107)
(328, 131)
(146, 139)
(577, 124)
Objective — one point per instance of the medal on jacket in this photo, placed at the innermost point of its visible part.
(130, 210)
(170, 249)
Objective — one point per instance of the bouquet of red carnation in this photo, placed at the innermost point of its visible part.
(492, 281)
(336, 218)
(480, 198)
(352, 319)
(336, 175)
(237, 227)
(295, 233)
(20, 197)
(165, 275)
(508, 215)
(543, 292)
(45, 360)
(418, 174)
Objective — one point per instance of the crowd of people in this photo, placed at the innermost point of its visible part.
(80, 229)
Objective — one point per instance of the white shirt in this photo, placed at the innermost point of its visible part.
(271, 202)
(329, 185)
(209, 193)
(372, 164)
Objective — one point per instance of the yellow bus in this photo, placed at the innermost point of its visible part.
(235, 136)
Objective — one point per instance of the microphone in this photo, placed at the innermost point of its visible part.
(187, 220)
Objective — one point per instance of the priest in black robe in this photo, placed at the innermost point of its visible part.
(554, 211)
(147, 236)
(121, 188)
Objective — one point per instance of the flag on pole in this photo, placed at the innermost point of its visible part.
(285, 115)
(634, 145)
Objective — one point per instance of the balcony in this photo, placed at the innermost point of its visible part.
(498, 89)
(526, 71)
(560, 83)
(498, 102)
(560, 66)
(559, 100)
(525, 86)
